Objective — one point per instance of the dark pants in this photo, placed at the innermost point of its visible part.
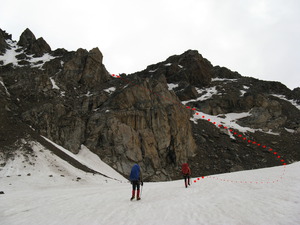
(186, 179)
(136, 185)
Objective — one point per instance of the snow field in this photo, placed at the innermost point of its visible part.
(207, 201)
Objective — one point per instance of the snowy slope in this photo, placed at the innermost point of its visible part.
(263, 196)
(91, 160)
(40, 168)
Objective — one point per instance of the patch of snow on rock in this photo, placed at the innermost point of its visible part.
(223, 79)
(243, 93)
(293, 102)
(54, 86)
(10, 54)
(289, 130)
(110, 90)
(152, 71)
(6, 91)
(40, 61)
(211, 91)
(172, 86)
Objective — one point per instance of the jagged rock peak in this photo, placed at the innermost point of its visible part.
(4, 34)
(223, 72)
(27, 38)
(96, 54)
(188, 67)
(32, 45)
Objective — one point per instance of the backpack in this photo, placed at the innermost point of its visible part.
(135, 173)
(185, 168)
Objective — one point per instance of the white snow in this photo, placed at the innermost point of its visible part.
(88, 94)
(40, 61)
(293, 102)
(54, 86)
(263, 196)
(223, 79)
(171, 86)
(180, 66)
(168, 64)
(243, 92)
(6, 91)
(267, 132)
(209, 93)
(62, 93)
(45, 169)
(91, 160)
(110, 90)
(289, 130)
(10, 54)
(228, 120)
(152, 71)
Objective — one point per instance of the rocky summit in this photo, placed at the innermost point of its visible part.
(181, 110)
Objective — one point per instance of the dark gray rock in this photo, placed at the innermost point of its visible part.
(3, 44)
(27, 39)
(37, 47)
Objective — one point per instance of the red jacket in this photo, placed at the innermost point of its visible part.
(185, 169)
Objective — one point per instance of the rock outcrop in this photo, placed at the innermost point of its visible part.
(72, 99)
(189, 67)
(37, 47)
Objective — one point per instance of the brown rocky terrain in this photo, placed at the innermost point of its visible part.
(70, 98)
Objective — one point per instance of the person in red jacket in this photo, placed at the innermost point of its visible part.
(186, 172)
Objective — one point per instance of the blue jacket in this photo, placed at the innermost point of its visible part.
(135, 173)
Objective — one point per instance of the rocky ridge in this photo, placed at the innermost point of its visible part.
(70, 98)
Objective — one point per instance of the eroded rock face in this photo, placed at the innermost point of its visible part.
(85, 68)
(139, 118)
(132, 124)
(144, 128)
(266, 114)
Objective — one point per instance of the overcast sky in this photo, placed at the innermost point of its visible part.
(257, 38)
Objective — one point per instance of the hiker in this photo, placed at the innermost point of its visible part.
(186, 172)
(136, 180)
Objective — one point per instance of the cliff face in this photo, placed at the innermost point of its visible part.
(145, 117)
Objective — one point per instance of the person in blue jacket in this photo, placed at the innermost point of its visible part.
(136, 180)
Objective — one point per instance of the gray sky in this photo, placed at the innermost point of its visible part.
(257, 38)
